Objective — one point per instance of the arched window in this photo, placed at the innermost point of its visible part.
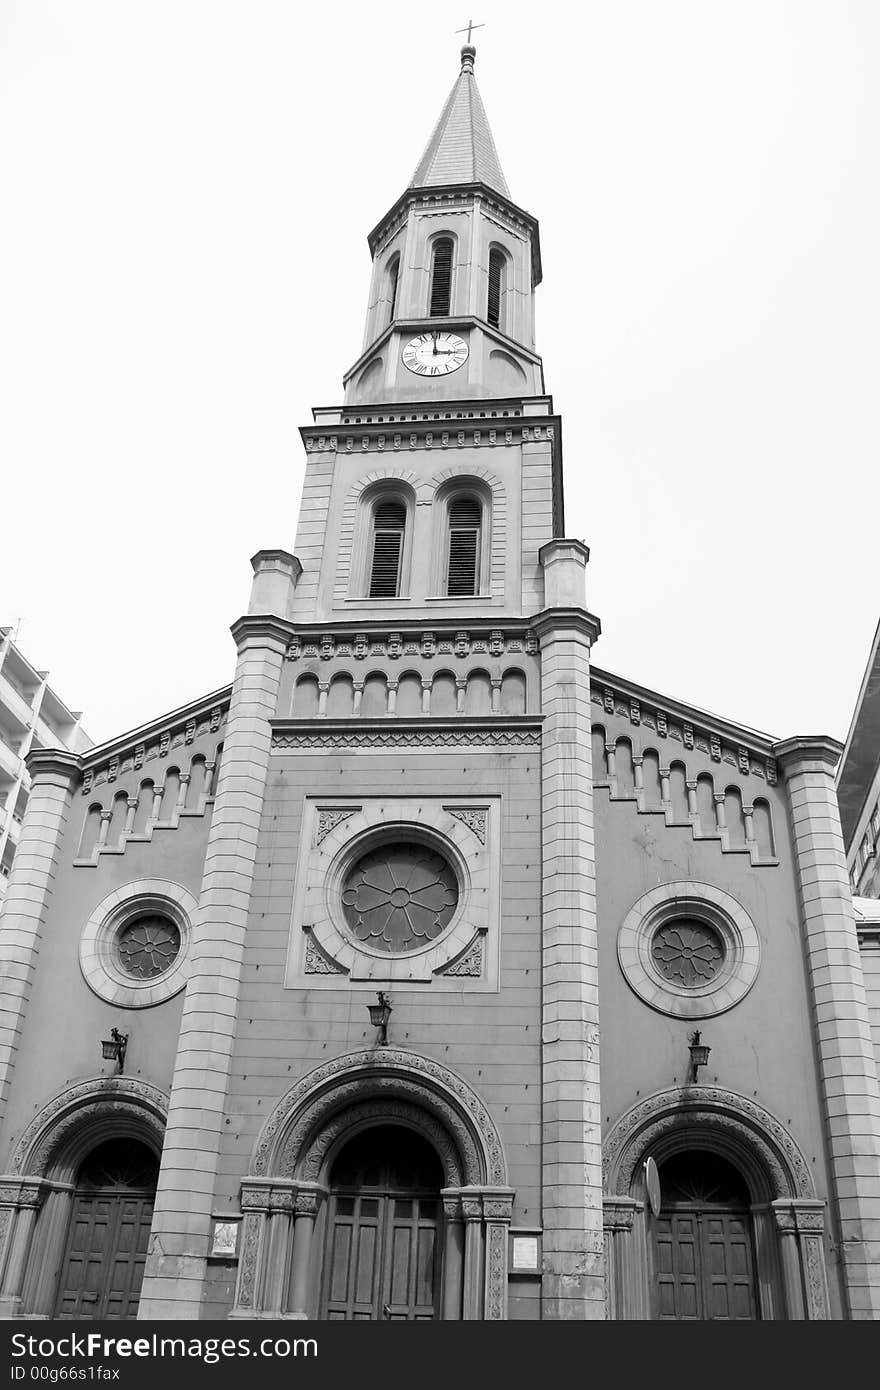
(441, 278)
(391, 286)
(463, 559)
(389, 525)
(497, 287)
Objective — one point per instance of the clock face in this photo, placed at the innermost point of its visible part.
(435, 354)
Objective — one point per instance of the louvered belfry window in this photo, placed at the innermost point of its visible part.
(465, 520)
(496, 286)
(441, 278)
(389, 524)
(393, 276)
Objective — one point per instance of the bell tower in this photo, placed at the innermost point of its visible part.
(455, 267)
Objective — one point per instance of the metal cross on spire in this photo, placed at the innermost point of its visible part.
(469, 28)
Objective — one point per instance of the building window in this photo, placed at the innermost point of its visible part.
(497, 286)
(463, 558)
(148, 946)
(441, 278)
(393, 278)
(389, 527)
(399, 897)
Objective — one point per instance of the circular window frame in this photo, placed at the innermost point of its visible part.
(434, 952)
(103, 972)
(703, 903)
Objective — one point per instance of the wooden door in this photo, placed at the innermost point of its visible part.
(382, 1251)
(109, 1231)
(702, 1243)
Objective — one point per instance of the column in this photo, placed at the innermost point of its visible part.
(626, 1272)
(305, 1212)
(847, 1068)
(31, 883)
(177, 1260)
(453, 1255)
(472, 1211)
(24, 1219)
(791, 1260)
(573, 1284)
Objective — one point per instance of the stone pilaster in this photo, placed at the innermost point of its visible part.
(573, 1285)
(179, 1243)
(846, 1063)
(31, 882)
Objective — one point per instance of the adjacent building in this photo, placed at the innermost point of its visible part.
(32, 715)
(429, 970)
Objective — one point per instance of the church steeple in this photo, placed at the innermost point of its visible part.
(461, 148)
(455, 266)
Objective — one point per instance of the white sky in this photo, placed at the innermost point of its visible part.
(187, 186)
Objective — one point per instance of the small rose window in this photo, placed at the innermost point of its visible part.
(147, 946)
(399, 897)
(687, 952)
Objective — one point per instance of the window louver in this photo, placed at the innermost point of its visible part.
(496, 276)
(389, 520)
(465, 517)
(441, 278)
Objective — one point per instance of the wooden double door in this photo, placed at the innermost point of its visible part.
(109, 1231)
(382, 1250)
(703, 1245)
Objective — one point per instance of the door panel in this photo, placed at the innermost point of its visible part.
(106, 1250)
(703, 1268)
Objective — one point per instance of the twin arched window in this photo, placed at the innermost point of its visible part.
(460, 546)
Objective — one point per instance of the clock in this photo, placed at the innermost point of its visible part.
(435, 354)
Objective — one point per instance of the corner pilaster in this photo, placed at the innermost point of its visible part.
(177, 1258)
(846, 1062)
(54, 774)
(573, 1284)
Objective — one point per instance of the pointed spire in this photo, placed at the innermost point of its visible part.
(461, 149)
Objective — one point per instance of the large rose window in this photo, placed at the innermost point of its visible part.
(687, 952)
(399, 897)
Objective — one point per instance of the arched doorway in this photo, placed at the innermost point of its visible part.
(741, 1230)
(109, 1230)
(702, 1241)
(382, 1243)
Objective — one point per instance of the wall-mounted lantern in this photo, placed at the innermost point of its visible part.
(113, 1048)
(699, 1054)
(379, 1016)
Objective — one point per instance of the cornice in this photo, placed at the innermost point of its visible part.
(46, 763)
(551, 619)
(698, 720)
(810, 748)
(206, 705)
(507, 733)
(265, 625)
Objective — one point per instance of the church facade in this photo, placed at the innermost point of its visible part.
(430, 971)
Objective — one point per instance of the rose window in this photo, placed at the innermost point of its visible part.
(687, 952)
(148, 946)
(399, 897)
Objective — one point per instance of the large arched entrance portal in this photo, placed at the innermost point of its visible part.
(377, 1190)
(384, 1227)
(103, 1264)
(702, 1241)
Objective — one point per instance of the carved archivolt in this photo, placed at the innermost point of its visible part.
(708, 1116)
(387, 1085)
(69, 1126)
